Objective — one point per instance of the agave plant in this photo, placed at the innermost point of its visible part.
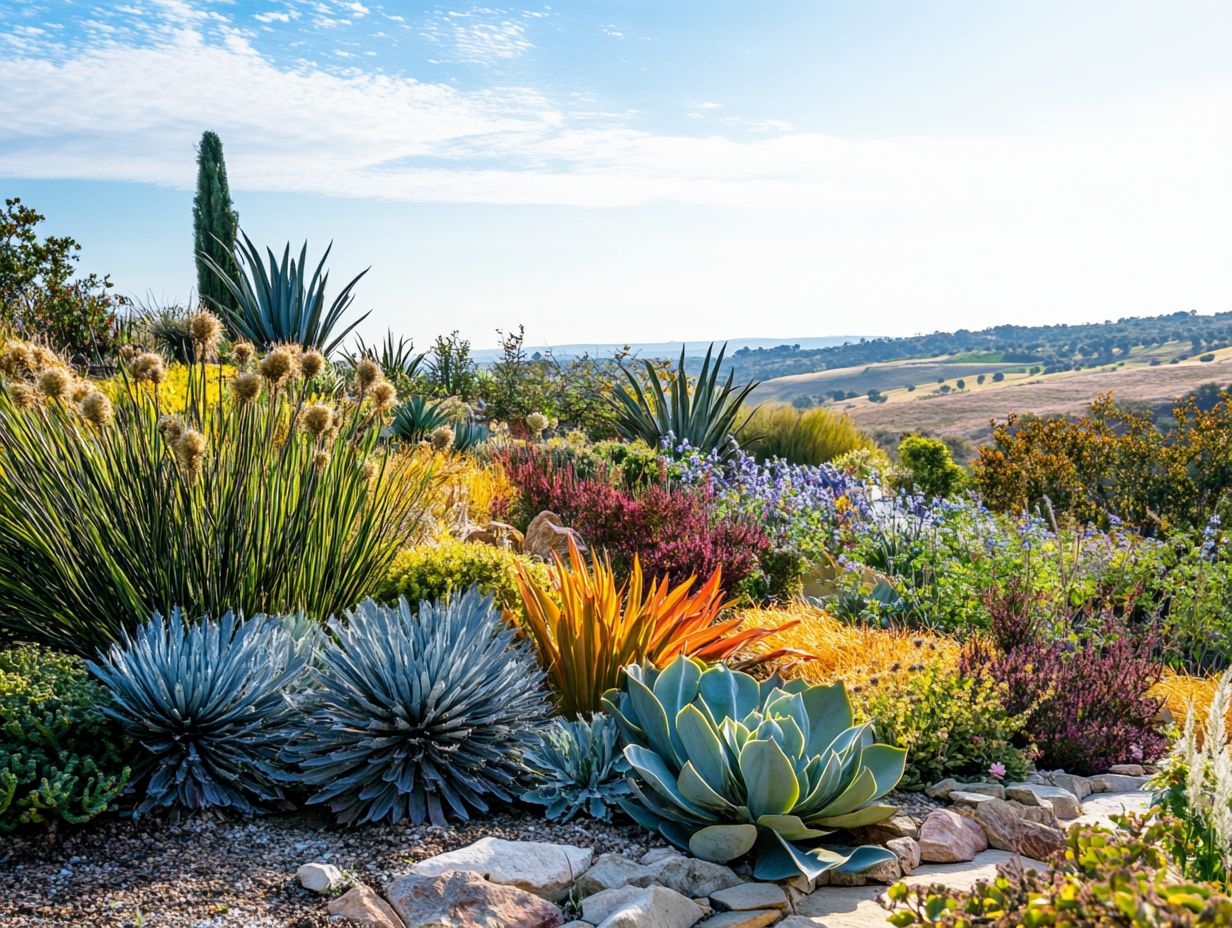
(468, 434)
(586, 628)
(398, 360)
(725, 765)
(419, 715)
(208, 703)
(281, 305)
(703, 415)
(578, 769)
(415, 419)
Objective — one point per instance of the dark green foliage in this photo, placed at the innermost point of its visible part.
(420, 715)
(207, 705)
(450, 368)
(469, 434)
(60, 757)
(215, 225)
(415, 419)
(704, 414)
(578, 769)
(281, 304)
(398, 360)
(41, 298)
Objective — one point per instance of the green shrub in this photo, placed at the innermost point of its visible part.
(60, 757)
(252, 498)
(427, 573)
(926, 467)
(1108, 878)
(812, 436)
(950, 726)
(577, 769)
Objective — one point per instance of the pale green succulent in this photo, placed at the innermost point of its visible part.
(725, 765)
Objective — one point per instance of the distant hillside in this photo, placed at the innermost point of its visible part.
(693, 349)
(1051, 347)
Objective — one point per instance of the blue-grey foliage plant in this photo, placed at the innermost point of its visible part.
(419, 714)
(281, 304)
(578, 769)
(209, 705)
(724, 765)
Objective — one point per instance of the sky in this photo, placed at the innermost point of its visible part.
(645, 170)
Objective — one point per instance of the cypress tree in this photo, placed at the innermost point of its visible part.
(215, 223)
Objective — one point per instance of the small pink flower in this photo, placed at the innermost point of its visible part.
(997, 770)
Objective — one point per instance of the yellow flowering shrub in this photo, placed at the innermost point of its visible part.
(432, 571)
(173, 391)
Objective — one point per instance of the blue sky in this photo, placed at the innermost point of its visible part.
(638, 171)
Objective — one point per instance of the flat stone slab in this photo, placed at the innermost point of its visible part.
(750, 896)
(1098, 808)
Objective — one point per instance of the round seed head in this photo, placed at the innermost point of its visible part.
(206, 332)
(384, 396)
(312, 363)
(55, 383)
(317, 419)
(367, 372)
(246, 387)
(96, 408)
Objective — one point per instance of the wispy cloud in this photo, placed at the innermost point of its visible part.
(481, 35)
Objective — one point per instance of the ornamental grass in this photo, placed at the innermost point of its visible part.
(237, 499)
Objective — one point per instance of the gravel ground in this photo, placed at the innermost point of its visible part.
(210, 873)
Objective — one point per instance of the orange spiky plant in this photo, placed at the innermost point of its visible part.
(586, 628)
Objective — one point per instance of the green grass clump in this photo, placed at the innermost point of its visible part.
(811, 436)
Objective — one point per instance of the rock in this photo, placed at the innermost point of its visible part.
(364, 906)
(907, 850)
(1039, 841)
(942, 789)
(464, 899)
(947, 837)
(756, 919)
(1064, 803)
(547, 535)
(497, 534)
(1116, 783)
(749, 896)
(1127, 770)
(646, 907)
(611, 871)
(319, 878)
(1079, 786)
(963, 798)
(704, 904)
(656, 854)
(548, 870)
(1041, 815)
(996, 790)
(898, 826)
(577, 924)
(692, 877)
(888, 871)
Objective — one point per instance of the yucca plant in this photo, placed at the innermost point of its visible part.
(415, 419)
(253, 498)
(706, 415)
(725, 765)
(208, 706)
(398, 360)
(419, 714)
(578, 769)
(280, 304)
(586, 627)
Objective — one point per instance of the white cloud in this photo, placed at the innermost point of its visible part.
(481, 35)
(274, 16)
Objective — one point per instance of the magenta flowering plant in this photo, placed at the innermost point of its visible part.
(996, 770)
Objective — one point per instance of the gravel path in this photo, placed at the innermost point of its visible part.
(210, 873)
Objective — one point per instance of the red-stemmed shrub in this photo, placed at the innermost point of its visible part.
(1086, 695)
(675, 532)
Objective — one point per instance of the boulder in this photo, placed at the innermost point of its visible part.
(898, 826)
(1064, 803)
(1079, 786)
(464, 899)
(755, 919)
(947, 837)
(548, 870)
(996, 790)
(1039, 842)
(611, 871)
(1127, 770)
(364, 906)
(907, 850)
(888, 871)
(547, 535)
(962, 798)
(692, 877)
(941, 789)
(656, 854)
(747, 897)
(1117, 783)
(320, 878)
(497, 534)
(644, 907)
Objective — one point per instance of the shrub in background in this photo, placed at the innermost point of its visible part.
(207, 707)
(577, 769)
(951, 726)
(811, 436)
(258, 500)
(61, 758)
(415, 419)
(419, 715)
(726, 765)
(1087, 699)
(927, 468)
(432, 572)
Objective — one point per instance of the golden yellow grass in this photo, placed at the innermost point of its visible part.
(831, 650)
(1180, 691)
